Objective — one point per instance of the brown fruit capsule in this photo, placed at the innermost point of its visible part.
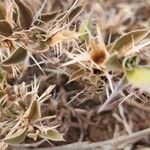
(98, 55)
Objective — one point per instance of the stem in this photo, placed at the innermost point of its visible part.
(116, 91)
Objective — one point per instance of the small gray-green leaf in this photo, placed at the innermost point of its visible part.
(17, 137)
(5, 28)
(126, 41)
(33, 112)
(75, 12)
(16, 57)
(76, 75)
(3, 11)
(50, 134)
(25, 15)
(113, 63)
(46, 18)
(2, 75)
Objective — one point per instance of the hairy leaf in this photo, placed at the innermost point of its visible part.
(76, 75)
(46, 18)
(75, 12)
(5, 28)
(2, 75)
(3, 11)
(16, 57)
(113, 63)
(83, 30)
(50, 134)
(33, 113)
(126, 41)
(25, 15)
(139, 77)
(17, 137)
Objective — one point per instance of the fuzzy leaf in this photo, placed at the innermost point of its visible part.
(126, 41)
(75, 12)
(76, 75)
(2, 93)
(50, 134)
(83, 30)
(16, 57)
(2, 75)
(25, 15)
(46, 17)
(3, 11)
(5, 28)
(17, 137)
(139, 77)
(33, 113)
(113, 63)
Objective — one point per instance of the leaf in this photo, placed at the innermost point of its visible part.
(17, 137)
(2, 75)
(139, 77)
(3, 11)
(2, 93)
(76, 75)
(46, 18)
(33, 113)
(113, 63)
(5, 28)
(17, 56)
(126, 41)
(50, 134)
(9, 113)
(83, 30)
(25, 15)
(75, 12)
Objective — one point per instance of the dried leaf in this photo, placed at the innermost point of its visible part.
(76, 75)
(139, 77)
(5, 28)
(75, 12)
(126, 41)
(17, 56)
(113, 63)
(50, 134)
(25, 15)
(3, 11)
(33, 113)
(17, 137)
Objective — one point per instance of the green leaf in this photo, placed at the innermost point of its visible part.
(83, 30)
(126, 41)
(50, 134)
(33, 112)
(25, 15)
(75, 12)
(17, 137)
(3, 11)
(5, 28)
(16, 57)
(139, 77)
(113, 63)
(76, 75)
